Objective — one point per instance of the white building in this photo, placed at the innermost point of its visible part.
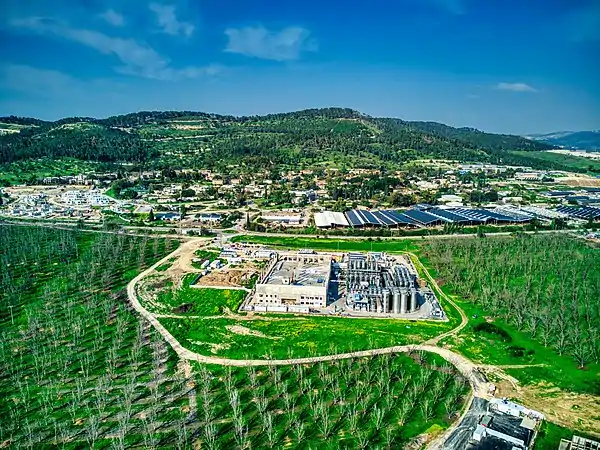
(330, 219)
(295, 280)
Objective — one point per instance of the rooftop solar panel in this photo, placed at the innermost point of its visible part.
(472, 214)
(497, 216)
(593, 212)
(422, 217)
(353, 219)
(448, 216)
(369, 218)
(401, 218)
(384, 219)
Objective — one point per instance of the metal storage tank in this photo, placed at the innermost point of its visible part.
(404, 302)
(385, 299)
(413, 300)
(396, 302)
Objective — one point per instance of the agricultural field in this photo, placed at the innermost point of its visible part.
(543, 287)
(78, 369)
(381, 402)
(76, 365)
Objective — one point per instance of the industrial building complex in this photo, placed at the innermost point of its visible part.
(379, 283)
(357, 284)
(430, 216)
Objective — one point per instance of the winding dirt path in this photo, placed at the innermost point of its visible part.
(470, 370)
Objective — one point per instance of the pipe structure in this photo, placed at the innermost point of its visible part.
(396, 302)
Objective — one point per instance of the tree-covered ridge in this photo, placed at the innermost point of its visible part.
(488, 141)
(210, 140)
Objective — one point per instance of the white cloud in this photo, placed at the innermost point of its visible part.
(138, 58)
(258, 42)
(167, 19)
(515, 87)
(114, 18)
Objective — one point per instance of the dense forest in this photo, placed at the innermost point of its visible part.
(296, 138)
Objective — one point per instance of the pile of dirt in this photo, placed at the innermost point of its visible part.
(226, 278)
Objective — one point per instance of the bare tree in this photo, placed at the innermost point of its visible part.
(92, 430)
(268, 428)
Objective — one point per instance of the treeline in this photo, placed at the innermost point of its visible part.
(297, 138)
(546, 286)
(480, 139)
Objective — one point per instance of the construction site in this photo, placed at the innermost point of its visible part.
(350, 284)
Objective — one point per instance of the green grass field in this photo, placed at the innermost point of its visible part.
(334, 244)
(285, 336)
(568, 161)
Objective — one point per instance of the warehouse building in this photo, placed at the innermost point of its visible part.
(294, 280)
(330, 219)
(422, 216)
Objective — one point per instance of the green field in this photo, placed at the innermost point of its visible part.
(78, 369)
(200, 301)
(28, 171)
(335, 244)
(567, 161)
(286, 336)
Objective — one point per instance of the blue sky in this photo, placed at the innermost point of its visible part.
(498, 65)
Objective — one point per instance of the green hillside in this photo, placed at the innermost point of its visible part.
(171, 139)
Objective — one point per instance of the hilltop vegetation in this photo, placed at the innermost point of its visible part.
(167, 139)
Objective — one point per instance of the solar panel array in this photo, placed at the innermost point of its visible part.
(419, 217)
(585, 212)
(433, 216)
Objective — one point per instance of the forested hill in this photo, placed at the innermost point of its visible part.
(302, 138)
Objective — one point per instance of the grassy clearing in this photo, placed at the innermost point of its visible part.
(287, 336)
(332, 244)
(567, 161)
(200, 301)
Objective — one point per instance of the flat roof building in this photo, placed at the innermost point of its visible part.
(294, 280)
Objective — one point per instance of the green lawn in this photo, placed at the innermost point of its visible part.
(285, 336)
(335, 244)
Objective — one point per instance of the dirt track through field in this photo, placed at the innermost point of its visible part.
(470, 370)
